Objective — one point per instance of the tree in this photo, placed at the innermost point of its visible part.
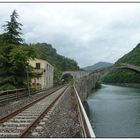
(19, 57)
(13, 30)
(14, 66)
(14, 56)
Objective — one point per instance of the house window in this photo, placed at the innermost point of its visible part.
(47, 67)
(37, 65)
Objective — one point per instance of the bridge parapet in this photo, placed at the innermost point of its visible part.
(127, 66)
(118, 66)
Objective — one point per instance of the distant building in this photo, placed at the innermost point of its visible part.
(43, 73)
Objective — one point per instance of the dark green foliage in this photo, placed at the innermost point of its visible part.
(122, 76)
(12, 30)
(125, 75)
(47, 52)
(14, 66)
(57, 75)
(133, 57)
(98, 85)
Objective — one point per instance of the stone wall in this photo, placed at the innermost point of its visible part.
(85, 84)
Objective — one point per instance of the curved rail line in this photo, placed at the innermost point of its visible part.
(3, 119)
(21, 122)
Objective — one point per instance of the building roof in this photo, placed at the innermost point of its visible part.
(41, 60)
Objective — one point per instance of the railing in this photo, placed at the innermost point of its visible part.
(87, 130)
(10, 95)
(38, 71)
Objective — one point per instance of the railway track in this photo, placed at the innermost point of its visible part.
(22, 122)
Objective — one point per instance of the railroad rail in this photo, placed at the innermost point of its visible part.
(23, 121)
(86, 131)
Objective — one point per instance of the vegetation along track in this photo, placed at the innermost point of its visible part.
(21, 122)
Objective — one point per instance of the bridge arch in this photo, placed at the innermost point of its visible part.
(64, 74)
(118, 66)
(67, 74)
(75, 74)
(128, 66)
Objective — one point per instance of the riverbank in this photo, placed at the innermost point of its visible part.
(132, 85)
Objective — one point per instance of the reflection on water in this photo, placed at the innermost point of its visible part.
(115, 111)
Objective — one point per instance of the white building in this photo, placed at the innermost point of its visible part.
(44, 72)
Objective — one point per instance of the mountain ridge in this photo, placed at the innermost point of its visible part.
(97, 65)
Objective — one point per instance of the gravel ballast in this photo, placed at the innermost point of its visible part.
(14, 105)
(63, 121)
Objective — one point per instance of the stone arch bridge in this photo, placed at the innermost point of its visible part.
(85, 81)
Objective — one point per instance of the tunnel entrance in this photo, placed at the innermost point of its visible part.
(67, 79)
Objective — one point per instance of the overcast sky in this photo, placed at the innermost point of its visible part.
(86, 32)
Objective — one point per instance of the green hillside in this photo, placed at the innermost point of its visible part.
(47, 52)
(61, 63)
(133, 57)
(125, 75)
(97, 66)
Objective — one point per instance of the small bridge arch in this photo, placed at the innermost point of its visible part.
(75, 74)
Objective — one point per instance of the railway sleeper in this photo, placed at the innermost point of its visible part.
(21, 120)
(8, 135)
(27, 115)
(17, 118)
(30, 113)
(13, 130)
(15, 124)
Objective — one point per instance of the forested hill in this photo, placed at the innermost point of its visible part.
(133, 57)
(61, 63)
(124, 75)
(47, 52)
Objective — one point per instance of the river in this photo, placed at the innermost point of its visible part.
(114, 111)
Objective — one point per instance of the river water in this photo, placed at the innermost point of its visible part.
(114, 111)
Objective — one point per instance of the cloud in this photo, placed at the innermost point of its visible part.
(85, 32)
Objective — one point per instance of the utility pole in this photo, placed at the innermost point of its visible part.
(28, 81)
